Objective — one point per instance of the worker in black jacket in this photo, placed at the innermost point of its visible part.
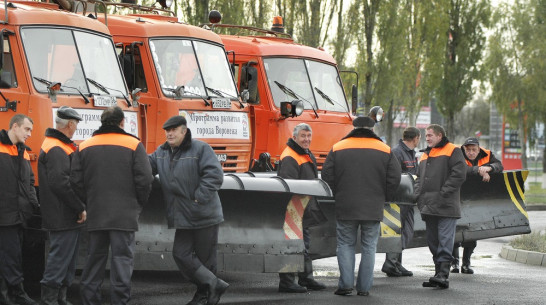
(298, 162)
(63, 213)
(363, 174)
(17, 201)
(441, 173)
(112, 175)
(481, 162)
(405, 153)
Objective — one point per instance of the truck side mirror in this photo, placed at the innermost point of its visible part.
(249, 80)
(354, 98)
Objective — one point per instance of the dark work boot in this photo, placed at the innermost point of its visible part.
(436, 271)
(50, 295)
(465, 268)
(200, 297)
(389, 266)
(455, 261)
(288, 283)
(305, 278)
(215, 286)
(4, 298)
(19, 296)
(442, 278)
(62, 296)
(403, 271)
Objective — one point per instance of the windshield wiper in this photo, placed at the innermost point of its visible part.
(50, 84)
(96, 84)
(179, 91)
(223, 94)
(293, 94)
(105, 89)
(329, 100)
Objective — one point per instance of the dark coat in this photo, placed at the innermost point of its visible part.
(17, 192)
(407, 158)
(112, 175)
(59, 204)
(298, 163)
(484, 158)
(442, 171)
(190, 177)
(363, 173)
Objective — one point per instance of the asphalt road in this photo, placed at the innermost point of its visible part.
(496, 281)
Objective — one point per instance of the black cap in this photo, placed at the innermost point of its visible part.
(67, 113)
(174, 121)
(471, 141)
(363, 122)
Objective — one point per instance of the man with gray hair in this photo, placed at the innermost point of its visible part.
(298, 162)
(63, 213)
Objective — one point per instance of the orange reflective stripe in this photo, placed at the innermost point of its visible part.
(288, 151)
(483, 160)
(369, 143)
(114, 139)
(447, 151)
(12, 151)
(50, 142)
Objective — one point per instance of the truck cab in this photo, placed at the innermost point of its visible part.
(53, 58)
(279, 74)
(179, 69)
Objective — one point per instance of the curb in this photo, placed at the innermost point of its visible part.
(523, 256)
(536, 207)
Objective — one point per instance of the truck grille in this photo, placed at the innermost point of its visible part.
(233, 157)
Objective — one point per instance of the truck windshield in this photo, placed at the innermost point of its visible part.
(70, 57)
(304, 76)
(201, 68)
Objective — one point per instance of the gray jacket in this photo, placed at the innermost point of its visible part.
(190, 178)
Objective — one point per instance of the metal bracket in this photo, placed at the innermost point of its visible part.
(9, 105)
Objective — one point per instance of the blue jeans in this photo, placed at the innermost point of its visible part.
(347, 231)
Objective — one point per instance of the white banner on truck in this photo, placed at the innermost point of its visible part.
(91, 122)
(217, 124)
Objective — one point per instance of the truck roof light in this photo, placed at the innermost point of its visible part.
(215, 16)
(278, 25)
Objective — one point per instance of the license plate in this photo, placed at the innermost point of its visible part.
(221, 157)
(221, 103)
(104, 101)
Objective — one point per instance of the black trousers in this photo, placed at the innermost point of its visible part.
(11, 256)
(194, 248)
(122, 245)
(440, 237)
(61, 259)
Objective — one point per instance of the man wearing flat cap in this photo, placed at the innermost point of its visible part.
(112, 175)
(363, 173)
(480, 162)
(63, 213)
(190, 176)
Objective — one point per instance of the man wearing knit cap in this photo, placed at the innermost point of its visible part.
(363, 173)
(112, 175)
(63, 213)
(190, 176)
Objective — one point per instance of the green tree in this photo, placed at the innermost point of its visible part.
(465, 43)
(510, 62)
